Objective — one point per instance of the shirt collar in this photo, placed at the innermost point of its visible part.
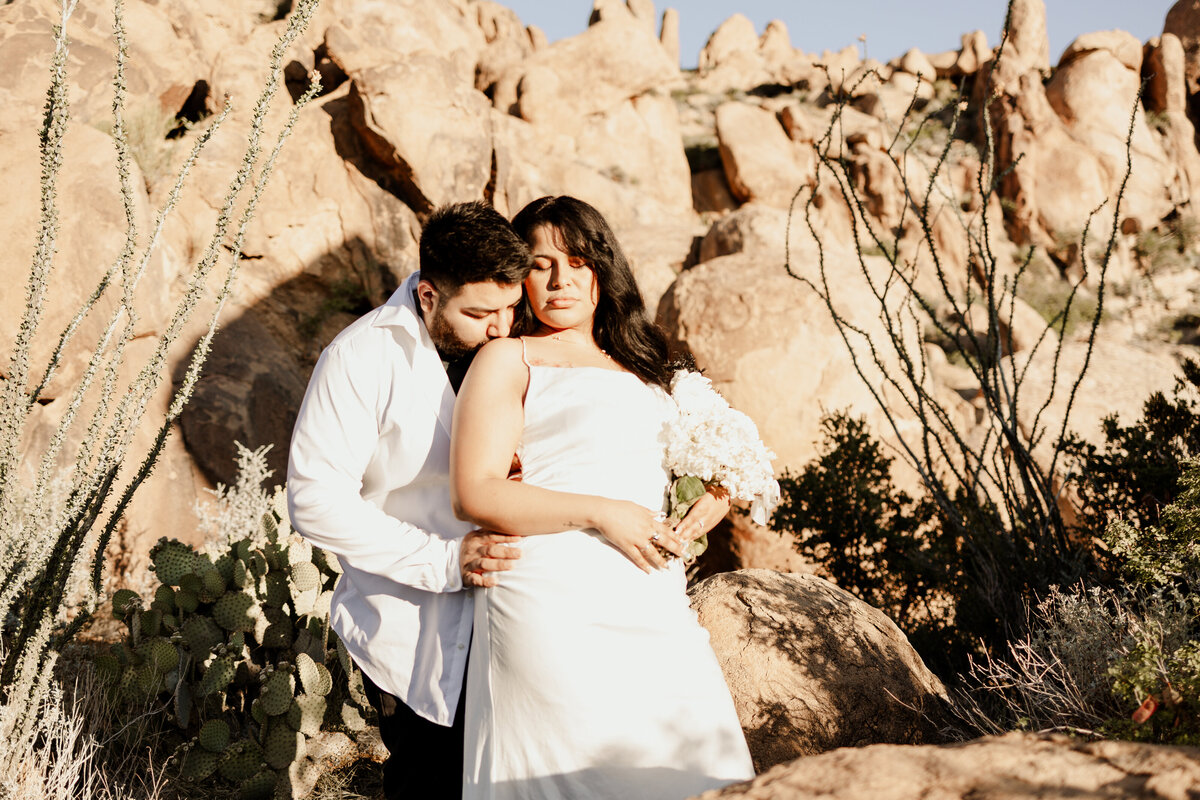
(400, 310)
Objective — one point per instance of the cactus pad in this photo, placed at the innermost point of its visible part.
(124, 601)
(187, 601)
(242, 760)
(235, 611)
(306, 668)
(283, 745)
(212, 585)
(307, 713)
(199, 764)
(214, 735)
(158, 654)
(172, 560)
(218, 675)
(305, 576)
(164, 599)
(201, 635)
(260, 786)
(277, 693)
(150, 621)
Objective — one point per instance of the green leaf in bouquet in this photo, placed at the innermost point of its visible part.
(685, 492)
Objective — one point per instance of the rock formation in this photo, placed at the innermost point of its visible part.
(813, 668)
(1015, 766)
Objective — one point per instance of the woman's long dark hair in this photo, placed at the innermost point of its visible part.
(621, 327)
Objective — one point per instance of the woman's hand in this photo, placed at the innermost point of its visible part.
(637, 532)
(708, 510)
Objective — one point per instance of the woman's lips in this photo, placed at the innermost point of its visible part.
(561, 302)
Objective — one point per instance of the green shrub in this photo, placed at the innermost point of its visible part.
(1135, 473)
(946, 580)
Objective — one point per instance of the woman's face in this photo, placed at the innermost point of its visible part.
(562, 289)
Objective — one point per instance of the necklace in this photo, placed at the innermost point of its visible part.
(558, 338)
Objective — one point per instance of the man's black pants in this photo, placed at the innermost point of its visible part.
(426, 759)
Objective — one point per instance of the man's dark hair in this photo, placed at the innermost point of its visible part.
(471, 242)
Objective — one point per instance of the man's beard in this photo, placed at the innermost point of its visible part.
(446, 341)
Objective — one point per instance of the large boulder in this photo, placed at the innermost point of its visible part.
(761, 162)
(1094, 91)
(371, 34)
(769, 344)
(638, 142)
(813, 668)
(1016, 766)
(1183, 21)
(87, 189)
(160, 72)
(614, 60)
(532, 161)
(426, 129)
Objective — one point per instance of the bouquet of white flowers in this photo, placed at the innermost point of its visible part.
(710, 444)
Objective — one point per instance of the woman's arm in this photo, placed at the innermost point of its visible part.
(488, 420)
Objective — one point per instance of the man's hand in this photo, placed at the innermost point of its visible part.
(705, 513)
(485, 553)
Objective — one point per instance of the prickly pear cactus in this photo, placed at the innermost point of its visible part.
(237, 647)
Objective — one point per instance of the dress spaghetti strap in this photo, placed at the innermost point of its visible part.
(524, 352)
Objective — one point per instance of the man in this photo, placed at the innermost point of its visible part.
(368, 480)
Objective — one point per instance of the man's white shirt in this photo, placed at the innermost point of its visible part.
(368, 480)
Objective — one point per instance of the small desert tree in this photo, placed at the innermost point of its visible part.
(997, 504)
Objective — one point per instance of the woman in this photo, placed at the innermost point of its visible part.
(589, 674)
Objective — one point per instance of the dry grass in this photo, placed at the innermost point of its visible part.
(82, 752)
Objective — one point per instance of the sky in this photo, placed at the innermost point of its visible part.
(891, 26)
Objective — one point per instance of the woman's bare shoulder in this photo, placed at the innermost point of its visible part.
(500, 361)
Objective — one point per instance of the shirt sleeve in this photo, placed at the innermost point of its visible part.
(336, 433)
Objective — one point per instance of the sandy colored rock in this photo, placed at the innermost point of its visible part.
(1166, 88)
(760, 162)
(638, 143)
(775, 44)
(532, 161)
(710, 192)
(1118, 380)
(669, 37)
(250, 392)
(377, 34)
(811, 667)
(914, 62)
(1094, 94)
(508, 43)
(1183, 21)
(734, 35)
(1124, 46)
(767, 341)
(657, 254)
(426, 130)
(1016, 766)
(87, 189)
(612, 61)
(753, 228)
(973, 54)
(160, 73)
(1028, 47)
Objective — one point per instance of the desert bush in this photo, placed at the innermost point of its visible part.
(1121, 662)
(1136, 471)
(870, 537)
(52, 542)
